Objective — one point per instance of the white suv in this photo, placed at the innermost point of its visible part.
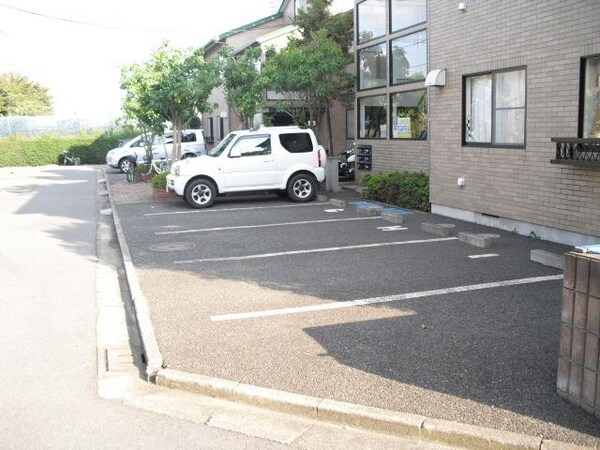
(192, 144)
(282, 159)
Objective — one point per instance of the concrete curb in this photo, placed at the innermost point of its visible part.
(152, 355)
(319, 409)
(358, 416)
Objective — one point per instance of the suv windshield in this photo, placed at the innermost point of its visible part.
(222, 145)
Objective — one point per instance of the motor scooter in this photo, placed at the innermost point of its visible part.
(346, 164)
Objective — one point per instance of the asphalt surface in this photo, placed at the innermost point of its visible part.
(222, 285)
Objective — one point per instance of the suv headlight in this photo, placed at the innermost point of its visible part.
(176, 169)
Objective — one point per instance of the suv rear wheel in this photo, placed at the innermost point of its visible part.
(201, 193)
(302, 187)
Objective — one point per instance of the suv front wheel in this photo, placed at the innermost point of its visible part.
(201, 193)
(302, 187)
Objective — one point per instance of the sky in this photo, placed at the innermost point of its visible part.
(76, 48)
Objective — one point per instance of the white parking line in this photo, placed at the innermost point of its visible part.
(378, 300)
(246, 208)
(314, 250)
(268, 225)
(487, 255)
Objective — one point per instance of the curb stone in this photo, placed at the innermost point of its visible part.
(360, 416)
(152, 357)
(364, 417)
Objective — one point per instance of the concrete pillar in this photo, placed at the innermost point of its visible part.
(332, 181)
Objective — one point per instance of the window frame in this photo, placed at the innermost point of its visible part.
(390, 59)
(582, 88)
(360, 118)
(492, 143)
(384, 46)
(358, 41)
(392, 113)
(391, 17)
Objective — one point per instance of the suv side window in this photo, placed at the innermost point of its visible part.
(296, 142)
(188, 137)
(253, 145)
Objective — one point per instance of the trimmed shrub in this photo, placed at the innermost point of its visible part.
(48, 149)
(405, 189)
(160, 181)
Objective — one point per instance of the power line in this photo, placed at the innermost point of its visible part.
(113, 27)
(62, 19)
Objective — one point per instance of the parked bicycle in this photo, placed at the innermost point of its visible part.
(69, 158)
(131, 172)
(160, 165)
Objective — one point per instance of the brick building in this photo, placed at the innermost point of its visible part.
(476, 91)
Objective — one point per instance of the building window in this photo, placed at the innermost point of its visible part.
(372, 117)
(371, 20)
(372, 64)
(494, 108)
(406, 13)
(409, 58)
(210, 131)
(591, 98)
(350, 124)
(409, 115)
(221, 127)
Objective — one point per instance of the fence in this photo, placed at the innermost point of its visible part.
(36, 125)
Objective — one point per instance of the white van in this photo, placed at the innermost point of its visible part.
(192, 144)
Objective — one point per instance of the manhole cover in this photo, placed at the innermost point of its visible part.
(172, 247)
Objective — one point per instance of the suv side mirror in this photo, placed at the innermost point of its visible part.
(235, 153)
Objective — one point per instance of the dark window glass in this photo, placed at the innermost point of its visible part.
(409, 115)
(371, 20)
(372, 116)
(409, 58)
(406, 13)
(296, 142)
(372, 67)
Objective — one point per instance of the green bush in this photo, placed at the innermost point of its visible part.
(160, 181)
(91, 148)
(405, 189)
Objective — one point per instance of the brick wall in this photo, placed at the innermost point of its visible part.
(548, 38)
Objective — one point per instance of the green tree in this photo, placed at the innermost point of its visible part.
(19, 96)
(173, 86)
(309, 74)
(315, 24)
(338, 27)
(243, 83)
(136, 104)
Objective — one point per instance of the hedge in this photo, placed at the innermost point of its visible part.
(48, 149)
(405, 189)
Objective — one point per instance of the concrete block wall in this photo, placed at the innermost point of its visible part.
(548, 38)
(578, 369)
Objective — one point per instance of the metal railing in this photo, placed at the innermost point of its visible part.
(577, 152)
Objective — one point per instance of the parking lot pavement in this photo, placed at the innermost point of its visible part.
(320, 300)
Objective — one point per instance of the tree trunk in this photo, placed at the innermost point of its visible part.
(329, 131)
(176, 152)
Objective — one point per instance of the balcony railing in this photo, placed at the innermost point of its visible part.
(577, 152)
